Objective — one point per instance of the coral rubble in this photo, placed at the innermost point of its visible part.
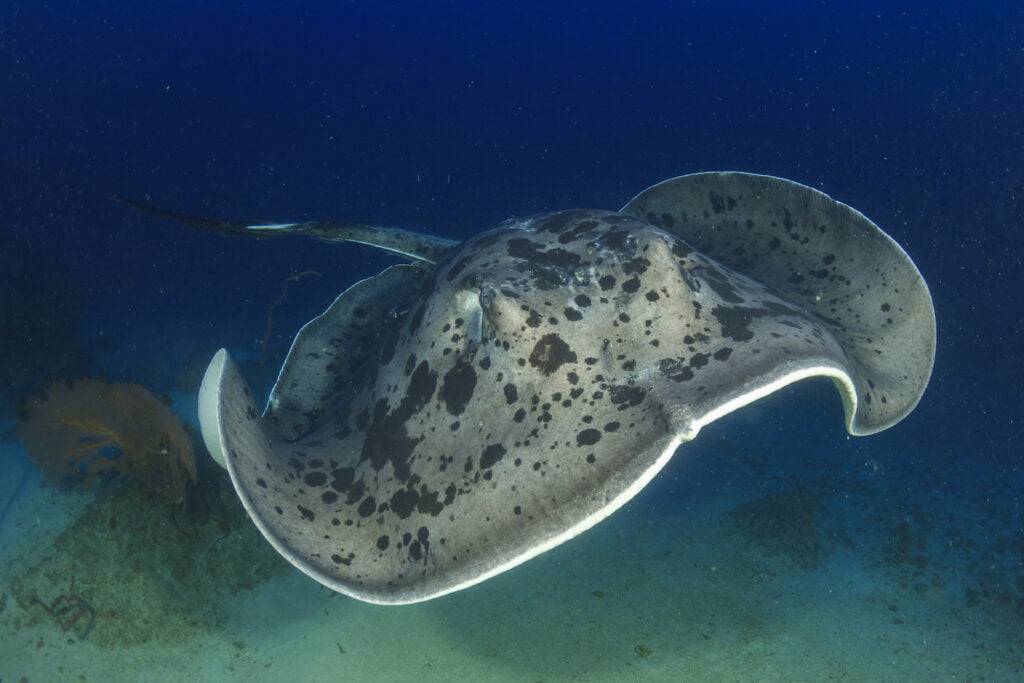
(132, 568)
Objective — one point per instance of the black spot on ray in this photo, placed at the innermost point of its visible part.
(316, 479)
(549, 269)
(550, 353)
(721, 286)
(491, 456)
(342, 478)
(631, 285)
(404, 501)
(387, 436)
(458, 387)
(735, 320)
(625, 396)
(367, 507)
(578, 231)
(555, 223)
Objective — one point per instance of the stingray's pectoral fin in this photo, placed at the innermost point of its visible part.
(239, 439)
(414, 245)
(809, 286)
(234, 433)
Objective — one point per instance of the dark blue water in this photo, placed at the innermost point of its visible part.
(450, 117)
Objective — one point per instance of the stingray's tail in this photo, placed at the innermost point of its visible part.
(414, 245)
(250, 229)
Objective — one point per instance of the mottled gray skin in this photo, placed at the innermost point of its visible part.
(438, 426)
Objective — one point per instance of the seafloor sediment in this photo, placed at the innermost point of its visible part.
(740, 563)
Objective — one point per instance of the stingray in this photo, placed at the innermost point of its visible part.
(452, 417)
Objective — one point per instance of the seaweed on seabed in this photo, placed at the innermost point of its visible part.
(90, 431)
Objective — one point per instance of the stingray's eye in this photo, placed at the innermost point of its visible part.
(492, 310)
(487, 298)
(502, 312)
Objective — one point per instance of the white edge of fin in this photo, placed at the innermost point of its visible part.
(209, 407)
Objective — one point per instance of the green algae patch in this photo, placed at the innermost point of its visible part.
(132, 569)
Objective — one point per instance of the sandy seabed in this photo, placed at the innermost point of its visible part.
(859, 587)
